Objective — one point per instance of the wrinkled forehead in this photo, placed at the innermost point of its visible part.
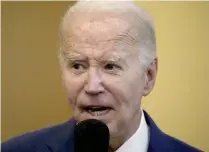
(90, 23)
(95, 28)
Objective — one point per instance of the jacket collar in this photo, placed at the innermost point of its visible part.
(159, 141)
(62, 137)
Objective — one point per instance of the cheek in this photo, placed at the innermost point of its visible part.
(127, 92)
(73, 86)
(136, 85)
(118, 87)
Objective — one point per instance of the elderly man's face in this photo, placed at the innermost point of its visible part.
(102, 73)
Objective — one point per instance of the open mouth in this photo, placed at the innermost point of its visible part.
(97, 110)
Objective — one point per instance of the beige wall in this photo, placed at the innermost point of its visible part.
(32, 93)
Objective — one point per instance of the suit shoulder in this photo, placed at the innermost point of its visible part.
(32, 141)
(181, 146)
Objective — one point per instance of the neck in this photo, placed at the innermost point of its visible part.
(129, 130)
(110, 149)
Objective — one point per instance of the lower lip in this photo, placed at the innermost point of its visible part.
(96, 114)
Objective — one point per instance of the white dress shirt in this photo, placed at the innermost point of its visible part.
(139, 141)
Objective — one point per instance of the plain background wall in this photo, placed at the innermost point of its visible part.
(32, 92)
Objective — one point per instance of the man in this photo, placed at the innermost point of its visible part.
(108, 61)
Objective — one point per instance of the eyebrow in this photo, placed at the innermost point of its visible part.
(77, 56)
(74, 56)
(113, 59)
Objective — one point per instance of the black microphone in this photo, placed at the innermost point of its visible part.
(91, 135)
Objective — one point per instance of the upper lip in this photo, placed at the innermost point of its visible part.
(95, 105)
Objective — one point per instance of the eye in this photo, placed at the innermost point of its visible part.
(77, 68)
(109, 66)
(112, 68)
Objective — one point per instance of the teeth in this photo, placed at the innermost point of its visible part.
(98, 113)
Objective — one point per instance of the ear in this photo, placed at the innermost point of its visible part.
(150, 77)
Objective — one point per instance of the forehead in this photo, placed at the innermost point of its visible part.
(97, 33)
(93, 26)
(99, 52)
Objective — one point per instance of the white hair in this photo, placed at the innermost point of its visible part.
(143, 21)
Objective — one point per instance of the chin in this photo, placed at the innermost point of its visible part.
(113, 129)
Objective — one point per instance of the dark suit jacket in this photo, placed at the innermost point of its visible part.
(60, 139)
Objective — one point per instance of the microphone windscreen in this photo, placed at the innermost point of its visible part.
(91, 135)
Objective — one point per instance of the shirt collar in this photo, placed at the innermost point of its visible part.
(139, 141)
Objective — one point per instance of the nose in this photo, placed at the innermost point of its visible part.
(94, 83)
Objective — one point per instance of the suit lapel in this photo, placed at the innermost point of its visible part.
(61, 139)
(159, 141)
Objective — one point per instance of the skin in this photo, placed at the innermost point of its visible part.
(100, 66)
